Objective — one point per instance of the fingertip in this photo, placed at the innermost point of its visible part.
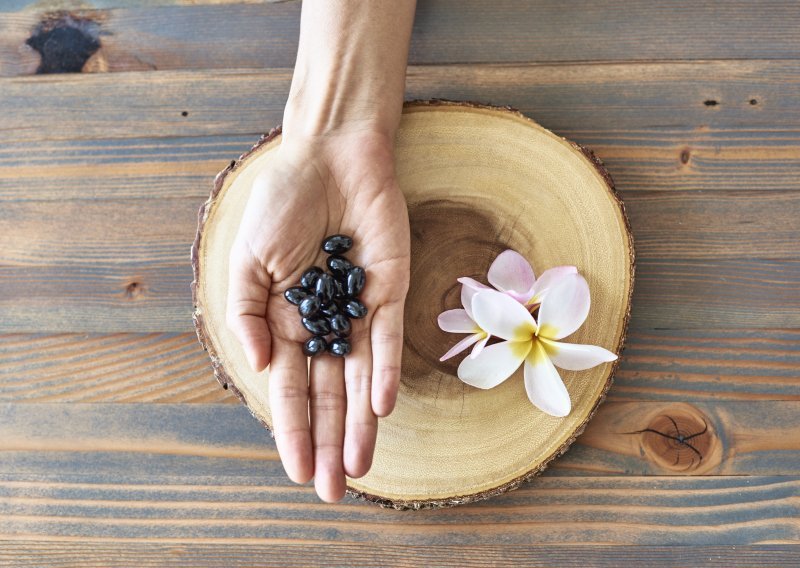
(330, 487)
(300, 473)
(257, 358)
(357, 461)
(383, 404)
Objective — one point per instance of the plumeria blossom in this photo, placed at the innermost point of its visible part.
(560, 297)
(461, 321)
(511, 274)
(534, 343)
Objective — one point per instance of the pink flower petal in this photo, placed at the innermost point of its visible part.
(548, 278)
(494, 364)
(574, 356)
(479, 346)
(461, 345)
(565, 308)
(470, 287)
(511, 273)
(543, 384)
(457, 321)
(499, 314)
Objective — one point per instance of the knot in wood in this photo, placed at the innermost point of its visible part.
(65, 41)
(134, 290)
(680, 439)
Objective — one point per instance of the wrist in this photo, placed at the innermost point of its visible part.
(350, 71)
(323, 103)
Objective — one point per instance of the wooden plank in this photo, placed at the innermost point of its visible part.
(143, 35)
(682, 366)
(666, 225)
(141, 297)
(211, 472)
(104, 297)
(701, 294)
(50, 5)
(139, 168)
(565, 98)
(156, 367)
(90, 552)
(653, 159)
(698, 364)
(191, 498)
(729, 224)
(743, 438)
(693, 511)
(657, 438)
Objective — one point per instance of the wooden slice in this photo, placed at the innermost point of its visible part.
(478, 180)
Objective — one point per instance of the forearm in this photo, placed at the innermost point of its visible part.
(351, 67)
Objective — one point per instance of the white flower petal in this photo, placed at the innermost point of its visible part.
(543, 384)
(470, 287)
(574, 356)
(457, 321)
(565, 307)
(511, 273)
(548, 278)
(479, 346)
(461, 345)
(494, 364)
(501, 315)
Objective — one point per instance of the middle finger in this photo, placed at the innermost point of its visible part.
(328, 406)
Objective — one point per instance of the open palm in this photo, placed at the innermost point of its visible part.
(315, 188)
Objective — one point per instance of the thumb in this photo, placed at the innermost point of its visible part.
(246, 310)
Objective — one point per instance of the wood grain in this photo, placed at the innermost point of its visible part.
(92, 552)
(701, 364)
(160, 472)
(223, 34)
(573, 97)
(693, 109)
(49, 5)
(743, 438)
(685, 511)
(121, 367)
(666, 225)
(690, 365)
(753, 159)
(141, 297)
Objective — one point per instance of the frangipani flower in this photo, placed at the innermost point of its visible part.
(461, 321)
(512, 274)
(536, 343)
(509, 273)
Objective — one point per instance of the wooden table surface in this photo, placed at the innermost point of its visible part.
(117, 447)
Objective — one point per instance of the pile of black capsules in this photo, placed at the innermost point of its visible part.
(328, 300)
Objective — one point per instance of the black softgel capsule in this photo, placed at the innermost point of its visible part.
(339, 347)
(337, 244)
(314, 345)
(309, 278)
(295, 295)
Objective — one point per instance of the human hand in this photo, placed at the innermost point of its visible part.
(313, 188)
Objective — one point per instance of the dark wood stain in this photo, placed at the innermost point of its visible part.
(438, 229)
(65, 42)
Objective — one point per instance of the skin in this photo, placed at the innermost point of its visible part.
(333, 173)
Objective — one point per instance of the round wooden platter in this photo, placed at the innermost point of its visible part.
(478, 180)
